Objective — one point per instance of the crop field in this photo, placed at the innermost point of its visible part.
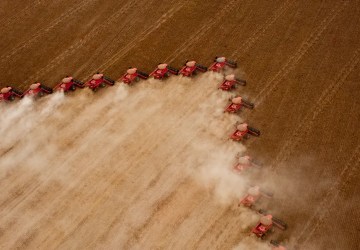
(149, 166)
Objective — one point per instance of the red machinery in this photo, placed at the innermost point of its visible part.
(254, 193)
(230, 83)
(9, 94)
(133, 75)
(243, 163)
(69, 84)
(163, 70)
(99, 81)
(266, 224)
(191, 67)
(242, 131)
(237, 103)
(38, 90)
(220, 63)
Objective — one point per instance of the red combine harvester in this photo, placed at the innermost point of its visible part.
(243, 163)
(242, 131)
(220, 63)
(38, 90)
(230, 83)
(69, 84)
(265, 225)
(191, 67)
(9, 94)
(252, 196)
(99, 81)
(163, 70)
(237, 103)
(133, 75)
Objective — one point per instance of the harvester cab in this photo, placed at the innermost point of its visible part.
(99, 81)
(220, 63)
(191, 67)
(133, 75)
(163, 71)
(236, 103)
(38, 90)
(242, 131)
(230, 83)
(9, 94)
(69, 83)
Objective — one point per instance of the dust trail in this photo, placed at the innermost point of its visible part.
(162, 134)
(21, 119)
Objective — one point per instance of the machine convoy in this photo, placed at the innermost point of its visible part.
(132, 75)
(162, 71)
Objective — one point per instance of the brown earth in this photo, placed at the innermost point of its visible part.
(134, 168)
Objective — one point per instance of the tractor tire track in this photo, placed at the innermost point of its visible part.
(64, 16)
(141, 36)
(258, 33)
(159, 205)
(210, 227)
(303, 128)
(329, 200)
(202, 32)
(295, 59)
(74, 47)
(8, 22)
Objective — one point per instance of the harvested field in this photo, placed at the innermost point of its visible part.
(148, 166)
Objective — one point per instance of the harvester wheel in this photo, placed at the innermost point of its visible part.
(73, 87)
(11, 98)
(137, 79)
(102, 85)
(94, 89)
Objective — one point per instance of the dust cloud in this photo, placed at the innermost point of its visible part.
(166, 130)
